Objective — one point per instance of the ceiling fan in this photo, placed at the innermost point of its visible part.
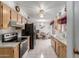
(43, 10)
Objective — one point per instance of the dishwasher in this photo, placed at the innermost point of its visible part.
(23, 47)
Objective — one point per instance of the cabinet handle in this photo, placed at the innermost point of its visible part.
(76, 51)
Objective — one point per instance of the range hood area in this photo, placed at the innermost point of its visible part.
(15, 24)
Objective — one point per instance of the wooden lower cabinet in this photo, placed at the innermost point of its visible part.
(53, 43)
(9, 52)
(63, 50)
(59, 48)
(16, 52)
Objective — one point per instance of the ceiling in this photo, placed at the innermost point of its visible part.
(51, 8)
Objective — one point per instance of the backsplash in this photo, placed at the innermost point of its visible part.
(61, 34)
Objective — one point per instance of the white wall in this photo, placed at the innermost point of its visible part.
(70, 36)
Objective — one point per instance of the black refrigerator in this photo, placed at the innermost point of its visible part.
(30, 31)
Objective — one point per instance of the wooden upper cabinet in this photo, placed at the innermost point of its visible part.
(1, 21)
(26, 20)
(14, 15)
(23, 20)
(6, 16)
(19, 18)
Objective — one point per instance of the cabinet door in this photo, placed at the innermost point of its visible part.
(6, 52)
(57, 48)
(62, 51)
(23, 20)
(1, 21)
(16, 52)
(19, 18)
(6, 16)
(53, 43)
(13, 15)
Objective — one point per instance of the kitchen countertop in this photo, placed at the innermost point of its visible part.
(26, 37)
(61, 39)
(9, 44)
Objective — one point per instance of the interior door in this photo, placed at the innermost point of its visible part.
(76, 27)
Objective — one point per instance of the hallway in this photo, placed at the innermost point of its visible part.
(42, 50)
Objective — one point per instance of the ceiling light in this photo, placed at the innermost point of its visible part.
(41, 13)
(42, 20)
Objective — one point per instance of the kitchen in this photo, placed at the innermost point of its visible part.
(12, 28)
(34, 31)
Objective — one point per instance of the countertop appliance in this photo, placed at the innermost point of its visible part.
(9, 37)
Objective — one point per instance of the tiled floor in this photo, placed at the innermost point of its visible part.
(42, 49)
